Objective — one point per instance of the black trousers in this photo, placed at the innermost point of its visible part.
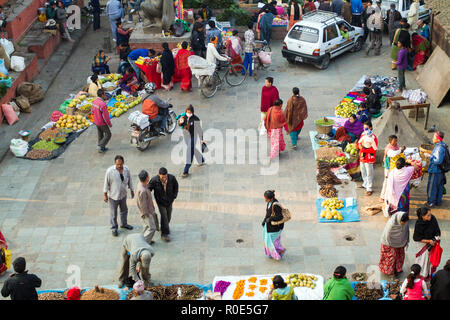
(96, 20)
(356, 20)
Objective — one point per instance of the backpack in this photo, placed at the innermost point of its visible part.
(284, 211)
(445, 164)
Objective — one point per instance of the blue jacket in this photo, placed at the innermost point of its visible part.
(363, 115)
(437, 156)
(357, 7)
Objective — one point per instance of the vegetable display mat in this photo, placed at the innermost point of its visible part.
(349, 211)
(302, 293)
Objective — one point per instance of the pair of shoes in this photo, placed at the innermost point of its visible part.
(115, 233)
(369, 193)
(184, 175)
(162, 132)
(127, 226)
(201, 164)
(102, 150)
(165, 238)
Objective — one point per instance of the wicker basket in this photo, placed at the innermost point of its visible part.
(83, 113)
(324, 129)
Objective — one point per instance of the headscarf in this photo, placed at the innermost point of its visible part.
(396, 184)
(426, 229)
(395, 234)
(274, 118)
(73, 294)
(296, 111)
(139, 286)
(355, 128)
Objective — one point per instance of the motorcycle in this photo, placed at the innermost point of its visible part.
(142, 137)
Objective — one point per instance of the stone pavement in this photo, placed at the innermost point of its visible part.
(53, 214)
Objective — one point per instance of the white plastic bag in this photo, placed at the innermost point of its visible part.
(18, 147)
(17, 63)
(3, 67)
(7, 45)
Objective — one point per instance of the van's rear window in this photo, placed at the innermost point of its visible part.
(303, 33)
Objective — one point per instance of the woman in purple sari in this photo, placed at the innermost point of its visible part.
(351, 130)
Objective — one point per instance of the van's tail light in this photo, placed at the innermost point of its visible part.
(284, 46)
(316, 52)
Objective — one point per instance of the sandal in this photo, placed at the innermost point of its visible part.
(369, 193)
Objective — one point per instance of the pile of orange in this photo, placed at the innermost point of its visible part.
(239, 291)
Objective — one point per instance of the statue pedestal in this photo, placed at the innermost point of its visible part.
(151, 37)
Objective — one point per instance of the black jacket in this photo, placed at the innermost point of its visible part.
(164, 198)
(440, 285)
(278, 215)
(198, 40)
(21, 286)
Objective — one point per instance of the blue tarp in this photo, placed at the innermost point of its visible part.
(349, 212)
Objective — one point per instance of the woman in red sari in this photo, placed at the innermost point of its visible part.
(181, 65)
(234, 49)
(3, 245)
(421, 48)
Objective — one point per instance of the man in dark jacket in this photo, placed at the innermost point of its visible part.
(198, 40)
(96, 13)
(165, 187)
(21, 285)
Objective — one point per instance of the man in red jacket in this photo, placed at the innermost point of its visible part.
(101, 120)
(367, 145)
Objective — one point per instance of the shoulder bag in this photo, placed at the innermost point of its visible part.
(284, 211)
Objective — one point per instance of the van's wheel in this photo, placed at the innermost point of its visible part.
(358, 45)
(324, 64)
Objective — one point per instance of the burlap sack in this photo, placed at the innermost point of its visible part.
(32, 91)
(23, 104)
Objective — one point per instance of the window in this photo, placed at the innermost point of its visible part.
(303, 33)
(406, 4)
(329, 33)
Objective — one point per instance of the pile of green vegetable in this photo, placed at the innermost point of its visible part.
(322, 122)
(45, 145)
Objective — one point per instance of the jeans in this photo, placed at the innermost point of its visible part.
(401, 79)
(435, 188)
(135, 68)
(190, 152)
(104, 135)
(112, 21)
(367, 175)
(113, 205)
(248, 62)
(136, 5)
(166, 215)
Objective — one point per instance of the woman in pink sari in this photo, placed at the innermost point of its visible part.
(397, 188)
(274, 122)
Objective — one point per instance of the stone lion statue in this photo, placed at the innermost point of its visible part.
(159, 12)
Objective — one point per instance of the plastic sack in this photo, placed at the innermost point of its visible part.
(10, 114)
(17, 63)
(7, 45)
(18, 147)
(64, 105)
(55, 116)
(23, 104)
(265, 57)
(3, 67)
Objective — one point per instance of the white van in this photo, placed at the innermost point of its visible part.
(316, 39)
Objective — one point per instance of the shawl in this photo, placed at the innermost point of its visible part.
(234, 47)
(388, 148)
(355, 128)
(395, 234)
(396, 184)
(420, 43)
(167, 62)
(426, 230)
(268, 97)
(338, 289)
(274, 118)
(181, 60)
(296, 111)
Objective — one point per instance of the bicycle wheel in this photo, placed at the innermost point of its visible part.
(234, 76)
(267, 48)
(209, 87)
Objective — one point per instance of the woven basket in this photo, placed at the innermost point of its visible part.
(83, 113)
(324, 129)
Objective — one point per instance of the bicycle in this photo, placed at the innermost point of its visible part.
(233, 76)
(257, 64)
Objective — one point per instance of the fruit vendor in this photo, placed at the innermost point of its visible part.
(281, 291)
(140, 292)
(129, 81)
(350, 131)
(338, 287)
(134, 55)
(100, 64)
(21, 285)
(367, 155)
(94, 86)
(136, 257)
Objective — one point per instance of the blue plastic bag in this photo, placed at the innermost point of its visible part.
(3, 67)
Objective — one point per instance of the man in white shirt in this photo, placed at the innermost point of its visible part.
(117, 179)
(212, 55)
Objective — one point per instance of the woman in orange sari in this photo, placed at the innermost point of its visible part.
(234, 49)
(274, 122)
(181, 65)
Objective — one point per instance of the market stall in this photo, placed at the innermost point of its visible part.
(257, 287)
